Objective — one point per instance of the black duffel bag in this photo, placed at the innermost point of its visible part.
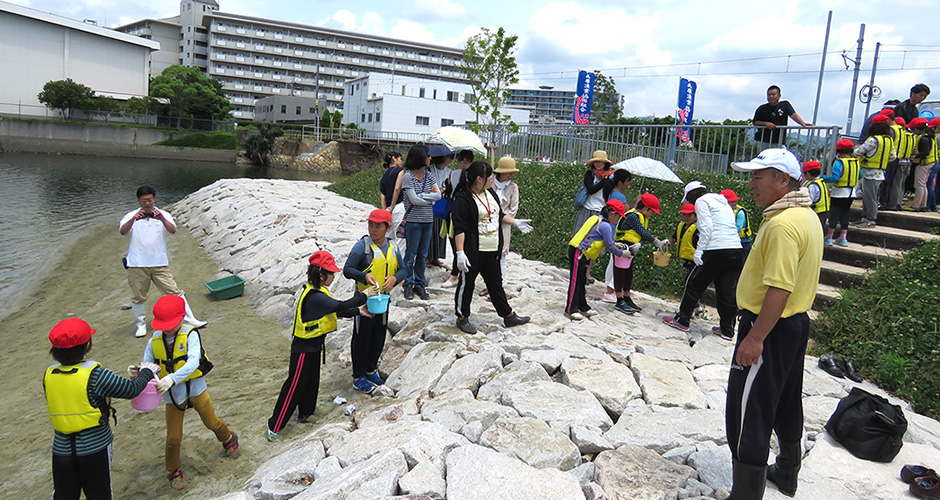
(868, 426)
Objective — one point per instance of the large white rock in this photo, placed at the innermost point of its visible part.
(533, 442)
(382, 486)
(339, 485)
(558, 405)
(457, 408)
(666, 383)
(478, 473)
(289, 472)
(387, 411)
(467, 371)
(610, 382)
(662, 429)
(712, 378)
(422, 367)
(639, 473)
(512, 375)
(713, 464)
(426, 478)
(417, 440)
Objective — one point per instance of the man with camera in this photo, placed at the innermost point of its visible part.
(147, 259)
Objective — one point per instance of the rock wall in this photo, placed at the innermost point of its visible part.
(612, 407)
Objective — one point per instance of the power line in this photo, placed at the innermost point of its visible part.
(752, 73)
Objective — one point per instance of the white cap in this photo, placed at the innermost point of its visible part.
(689, 187)
(777, 158)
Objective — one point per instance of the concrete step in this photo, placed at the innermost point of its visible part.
(841, 275)
(860, 255)
(912, 221)
(889, 237)
(826, 295)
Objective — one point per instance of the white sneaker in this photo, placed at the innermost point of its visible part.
(610, 298)
(575, 316)
(589, 313)
(141, 331)
(449, 284)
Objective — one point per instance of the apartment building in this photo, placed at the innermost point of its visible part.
(255, 57)
(548, 105)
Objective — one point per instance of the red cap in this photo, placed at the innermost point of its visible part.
(617, 206)
(844, 144)
(325, 260)
(650, 201)
(729, 195)
(70, 333)
(934, 122)
(689, 208)
(811, 165)
(900, 121)
(879, 119)
(886, 111)
(168, 312)
(379, 215)
(918, 122)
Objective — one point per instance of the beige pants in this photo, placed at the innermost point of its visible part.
(921, 173)
(139, 278)
(174, 427)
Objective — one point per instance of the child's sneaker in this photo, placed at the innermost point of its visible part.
(231, 446)
(364, 385)
(827, 241)
(272, 436)
(623, 307)
(609, 297)
(842, 242)
(632, 305)
(176, 480)
(673, 322)
(717, 331)
(375, 378)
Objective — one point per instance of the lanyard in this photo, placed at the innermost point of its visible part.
(485, 204)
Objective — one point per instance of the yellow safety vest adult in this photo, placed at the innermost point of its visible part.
(882, 155)
(169, 364)
(931, 156)
(312, 329)
(849, 177)
(66, 390)
(381, 266)
(596, 247)
(823, 204)
(904, 141)
(746, 231)
(684, 237)
(630, 235)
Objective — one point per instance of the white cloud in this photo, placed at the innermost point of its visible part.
(430, 10)
(343, 19)
(412, 31)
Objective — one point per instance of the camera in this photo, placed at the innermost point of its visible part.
(148, 215)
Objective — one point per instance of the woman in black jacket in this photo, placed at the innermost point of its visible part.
(477, 216)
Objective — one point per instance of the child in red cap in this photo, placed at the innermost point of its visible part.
(844, 178)
(633, 230)
(176, 346)
(594, 236)
(77, 395)
(687, 236)
(742, 221)
(818, 191)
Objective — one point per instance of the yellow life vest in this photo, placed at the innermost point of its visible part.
(317, 327)
(823, 204)
(66, 390)
(849, 177)
(932, 155)
(170, 365)
(882, 155)
(684, 237)
(745, 231)
(904, 141)
(381, 266)
(596, 247)
(630, 235)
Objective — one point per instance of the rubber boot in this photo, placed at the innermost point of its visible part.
(140, 319)
(190, 318)
(784, 473)
(749, 481)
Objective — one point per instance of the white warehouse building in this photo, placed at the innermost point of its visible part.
(36, 47)
(385, 102)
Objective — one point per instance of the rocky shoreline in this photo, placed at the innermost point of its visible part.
(612, 407)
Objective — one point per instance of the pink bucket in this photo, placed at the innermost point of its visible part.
(148, 399)
(623, 262)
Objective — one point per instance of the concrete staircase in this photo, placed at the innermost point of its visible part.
(845, 267)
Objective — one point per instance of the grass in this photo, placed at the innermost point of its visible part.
(205, 140)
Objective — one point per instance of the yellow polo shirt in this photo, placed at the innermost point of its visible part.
(786, 254)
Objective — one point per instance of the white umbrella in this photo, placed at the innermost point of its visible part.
(458, 138)
(648, 167)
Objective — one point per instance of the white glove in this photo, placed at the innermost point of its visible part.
(164, 384)
(132, 371)
(372, 291)
(634, 248)
(622, 246)
(463, 263)
(697, 259)
(523, 225)
(660, 244)
(153, 367)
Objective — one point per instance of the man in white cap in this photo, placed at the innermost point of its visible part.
(777, 287)
(718, 259)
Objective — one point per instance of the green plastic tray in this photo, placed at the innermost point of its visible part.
(227, 287)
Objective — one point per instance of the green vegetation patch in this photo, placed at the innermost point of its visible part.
(212, 140)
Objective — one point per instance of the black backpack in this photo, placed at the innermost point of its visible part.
(868, 426)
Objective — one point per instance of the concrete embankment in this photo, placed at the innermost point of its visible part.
(612, 407)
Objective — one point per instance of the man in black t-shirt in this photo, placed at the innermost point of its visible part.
(773, 114)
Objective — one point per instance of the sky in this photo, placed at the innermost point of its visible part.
(734, 50)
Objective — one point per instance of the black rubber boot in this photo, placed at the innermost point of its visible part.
(749, 481)
(784, 473)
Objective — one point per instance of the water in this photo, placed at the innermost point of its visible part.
(46, 200)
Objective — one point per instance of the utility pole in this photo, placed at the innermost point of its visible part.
(822, 67)
(858, 63)
(872, 91)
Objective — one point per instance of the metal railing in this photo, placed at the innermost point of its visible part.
(33, 111)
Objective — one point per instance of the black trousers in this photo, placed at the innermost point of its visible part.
(368, 340)
(890, 172)
(576, 296)
(767, 396)
(488, 268)
(839, 213)
(71, 475)
(823, 217)
(438, 247)
(299, 391)
(721, 267)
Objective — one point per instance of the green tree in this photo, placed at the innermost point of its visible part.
(337, 119)
(190, 93)
(326, 121)
(490, 65)
(605, 107)
(140, 106)
(66, 96)
(258, 145)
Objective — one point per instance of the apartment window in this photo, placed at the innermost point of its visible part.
(369, 116)
(421, 92)
(434, 94)
(422, 120)
(283, 108)
(312, 111)
(453, 96)
(377, 116)
(297, 112)
(363, 118)
(352, 90)
(446, 121)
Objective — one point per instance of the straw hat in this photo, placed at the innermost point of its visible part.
(506, 165)
(600, 155)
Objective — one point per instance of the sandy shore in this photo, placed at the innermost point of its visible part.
(250, 355)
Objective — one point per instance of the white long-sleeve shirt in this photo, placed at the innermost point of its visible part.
(716, 224)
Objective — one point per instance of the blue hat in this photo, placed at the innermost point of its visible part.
(437, 150)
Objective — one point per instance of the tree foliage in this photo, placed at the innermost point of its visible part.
(490, 65)
(66, 96)
(337, 119)
(190, 93)
(326, 121)
(606, 107)
(258, 146)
